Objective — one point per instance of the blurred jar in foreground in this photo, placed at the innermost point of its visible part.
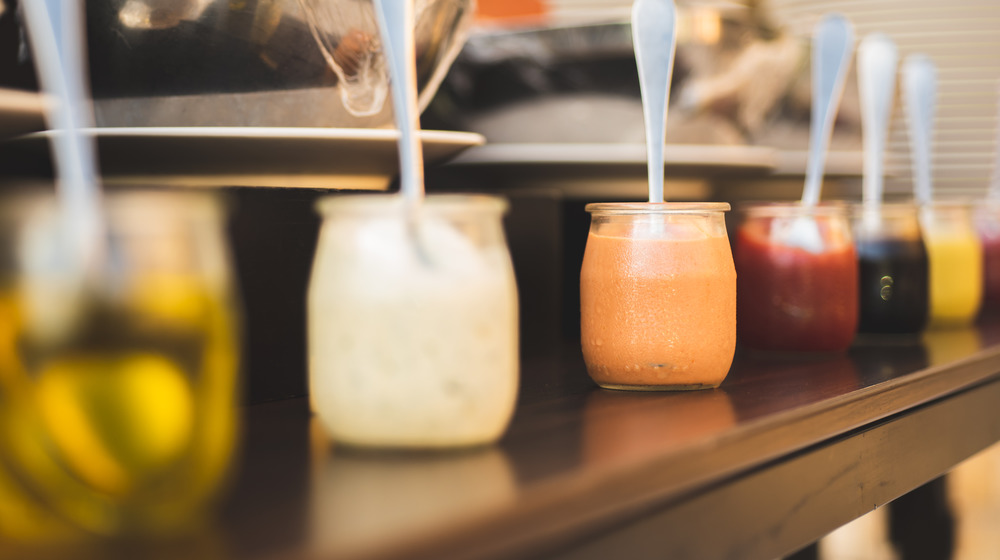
(797, 278)
(658, 296)
(956, 263)
(987, 220)
(117, 390)
(413, 324)
(892, 269)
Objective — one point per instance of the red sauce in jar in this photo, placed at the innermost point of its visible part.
(790, 298)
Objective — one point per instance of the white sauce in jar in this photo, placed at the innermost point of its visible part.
(409, 353)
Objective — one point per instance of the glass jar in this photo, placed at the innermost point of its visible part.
(413, 333)
(956, 263)
(797, 278)
(658, 296)
(118, 384)
(892, 269)
(987, 219)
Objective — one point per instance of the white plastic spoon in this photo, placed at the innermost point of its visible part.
(832, 45)
(56, 31)
(395, 23)
(920, 88)
(654, 38)
(60, 263)
(877, 59)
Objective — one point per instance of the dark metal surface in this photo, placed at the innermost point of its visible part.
(302, 63)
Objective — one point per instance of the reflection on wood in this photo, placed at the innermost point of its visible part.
(364, 500)
(621, 427)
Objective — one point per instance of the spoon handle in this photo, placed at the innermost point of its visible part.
(832, 44)
(395, 23)
(877, 58)
(920, 83)
(56, 31)
(654, 39)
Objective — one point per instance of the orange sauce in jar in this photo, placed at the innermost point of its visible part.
(658, 310)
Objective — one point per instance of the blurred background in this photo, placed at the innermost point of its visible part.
(551, 86)
(741, 77)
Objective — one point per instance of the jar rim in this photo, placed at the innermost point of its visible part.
(133, 206)
(886, 207)
(794, 208)
(206, 206)
(374, 204)
(648, 208)
(952, 203)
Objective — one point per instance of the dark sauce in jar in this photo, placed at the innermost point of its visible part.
(892, 285)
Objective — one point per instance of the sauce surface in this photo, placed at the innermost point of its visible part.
(892, 285)
(658, 313)
(411, 349)
(794, 299)
(134, 405)
(956, 276)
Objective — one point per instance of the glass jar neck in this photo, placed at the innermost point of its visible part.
(366, 206)
(795, 209)
(895, 221)
(604, 209)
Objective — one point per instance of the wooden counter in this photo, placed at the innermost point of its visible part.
(788, 449)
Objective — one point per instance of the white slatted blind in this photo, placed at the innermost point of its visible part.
(962, 37)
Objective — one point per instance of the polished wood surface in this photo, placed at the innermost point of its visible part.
(787, 449)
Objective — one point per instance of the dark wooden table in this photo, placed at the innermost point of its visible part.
(786, 450)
